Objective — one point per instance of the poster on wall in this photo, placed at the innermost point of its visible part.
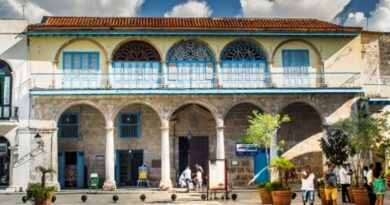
(217, 174)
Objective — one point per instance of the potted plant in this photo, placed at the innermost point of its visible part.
(366, 133)
(262, 127)
(265, 192)
(281, 195)
(39, 192)
(321, 190)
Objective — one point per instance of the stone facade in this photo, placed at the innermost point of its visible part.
(308, 112)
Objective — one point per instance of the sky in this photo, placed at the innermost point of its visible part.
(344, 12)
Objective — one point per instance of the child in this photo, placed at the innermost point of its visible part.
(198, 180)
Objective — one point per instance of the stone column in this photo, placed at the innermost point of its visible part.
(273, 154)
(54, 158)
(269, 82)
(109, 76)
(164, 77)
(165, 183)
(110, 184)
(325, 136)
(218, 74)
(220, 138)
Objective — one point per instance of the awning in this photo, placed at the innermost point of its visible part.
(379, 101)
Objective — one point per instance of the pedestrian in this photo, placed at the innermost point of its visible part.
(379, 183)
(330, 180)
(307, 188)
(365, 171)
(198, 179)
(293, 175)
(185, 179)
(345, 182)
(370, 184)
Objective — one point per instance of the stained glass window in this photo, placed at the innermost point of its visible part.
(190, 51)
(136, 51)
(242, 51)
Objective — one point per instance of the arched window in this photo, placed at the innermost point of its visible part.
(136, 51)
(190, 65)
(136, 64)
(5, 90)
(243, 51)
(190, 51)
(244, 64)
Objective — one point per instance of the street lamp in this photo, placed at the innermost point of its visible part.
(38, 139)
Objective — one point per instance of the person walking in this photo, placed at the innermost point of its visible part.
(345, 182)
(330, 180)
(370, 184)
(307, 188)
(198, 179)
(379, 183)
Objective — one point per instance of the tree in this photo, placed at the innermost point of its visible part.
(262, 126)
(44, 171)
(366, 133)
(336, 147)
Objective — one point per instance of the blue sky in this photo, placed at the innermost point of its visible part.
(345, 12)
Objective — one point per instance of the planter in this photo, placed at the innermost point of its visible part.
(360, 196)
(281, 197)
(42, 201)
(265, 196)
(350, 194)
(323, 197)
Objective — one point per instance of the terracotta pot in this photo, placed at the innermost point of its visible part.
(361, 196)
(323, 197)
(350, 194)
(265, 196)
(42, 201)
(281, 197)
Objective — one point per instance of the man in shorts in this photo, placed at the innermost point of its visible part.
(307, 188)
(330, 181)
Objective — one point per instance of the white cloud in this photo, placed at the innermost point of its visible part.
(35, 9)
(320, 9)
(379, 20)
(191, 8)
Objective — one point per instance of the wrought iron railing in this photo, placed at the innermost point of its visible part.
(193, 80)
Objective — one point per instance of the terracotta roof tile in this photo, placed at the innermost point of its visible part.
(192, 24)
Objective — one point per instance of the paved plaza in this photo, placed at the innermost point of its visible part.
(132, 197)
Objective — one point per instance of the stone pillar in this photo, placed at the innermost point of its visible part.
(220, 139)
(325, 136)
(165, 183)
(164, 77)
(273, 154)
(218, 74)
(53, 75)
(110, 184)
(268, 77)
(54, 158)
(109, 76)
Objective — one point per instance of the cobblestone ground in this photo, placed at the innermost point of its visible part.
(245, 197)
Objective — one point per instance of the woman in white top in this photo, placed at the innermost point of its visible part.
(307, 188)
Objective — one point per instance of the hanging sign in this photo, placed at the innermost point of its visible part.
(217, 174)
(245, 149)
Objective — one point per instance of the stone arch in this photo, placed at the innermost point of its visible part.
(315, 107)
(142, 40)
(316, 50)
(252, 102)
(246, 40)
(6, 64)
(209, 107)
(117, 110)
(208, 48)
(63, 46)
(301, 135)
(97, 107)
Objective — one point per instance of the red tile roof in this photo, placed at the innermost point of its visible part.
(187, 24)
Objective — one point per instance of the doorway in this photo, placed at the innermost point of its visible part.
(260, 162)
(4, 162)
(71, 169)
(127, 163)
(193, 151)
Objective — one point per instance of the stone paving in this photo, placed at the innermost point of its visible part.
(132, 197)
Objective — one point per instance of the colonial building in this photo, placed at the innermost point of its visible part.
(14, 105)
(110, 94)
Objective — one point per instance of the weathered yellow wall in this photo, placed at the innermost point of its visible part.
(337, 54)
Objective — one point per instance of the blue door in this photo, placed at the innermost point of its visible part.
(61, 168)
(260, 160)
(80, 169)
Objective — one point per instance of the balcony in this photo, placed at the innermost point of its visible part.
(192, 80)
